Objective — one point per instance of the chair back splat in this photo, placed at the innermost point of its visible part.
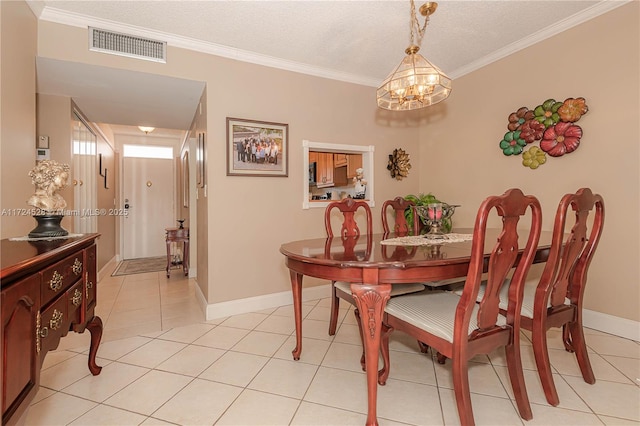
(400, 227)
(459, 328)
(349, 227)
(510, 206)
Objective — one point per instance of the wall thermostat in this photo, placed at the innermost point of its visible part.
(42, 154)
(43, 142)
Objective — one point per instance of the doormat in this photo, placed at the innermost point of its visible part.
(140, 266)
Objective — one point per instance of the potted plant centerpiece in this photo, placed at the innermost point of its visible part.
(422, 201)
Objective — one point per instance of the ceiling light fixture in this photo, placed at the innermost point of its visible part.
(415, 83)
(146, 130)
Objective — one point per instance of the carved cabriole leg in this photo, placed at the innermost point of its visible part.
(95, 328)
(371, 300)
(383, 374)
(296, 289)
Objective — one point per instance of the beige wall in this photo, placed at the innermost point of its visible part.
(598, 60)
(53, 119)
(17, 115)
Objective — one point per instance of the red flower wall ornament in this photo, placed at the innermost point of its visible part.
(557, 134)
(563, 138)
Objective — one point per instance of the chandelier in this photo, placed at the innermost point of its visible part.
(415, 83)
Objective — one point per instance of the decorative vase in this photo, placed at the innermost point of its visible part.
(48, 226)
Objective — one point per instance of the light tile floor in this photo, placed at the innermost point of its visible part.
(164, 364)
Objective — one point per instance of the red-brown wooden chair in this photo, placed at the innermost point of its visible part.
(400, 226)
(457, 326)
(556, 299)
(349, 229)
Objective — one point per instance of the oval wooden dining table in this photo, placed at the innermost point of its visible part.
(371, 267)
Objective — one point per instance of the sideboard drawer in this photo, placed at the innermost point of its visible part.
(59, 276)
(52, 325)
(74, 298)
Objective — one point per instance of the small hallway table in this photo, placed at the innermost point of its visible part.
(371, 268)
(178, 235)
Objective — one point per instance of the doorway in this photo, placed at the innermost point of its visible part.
(148, 198)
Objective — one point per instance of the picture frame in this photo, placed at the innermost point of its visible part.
(185, 179)
(100, 165)
(200, 161)
(257, 148)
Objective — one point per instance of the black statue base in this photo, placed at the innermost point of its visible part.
(48, 226)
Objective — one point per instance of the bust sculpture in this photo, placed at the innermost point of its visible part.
(49, 177)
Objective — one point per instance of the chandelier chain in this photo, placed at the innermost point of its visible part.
(415, 25)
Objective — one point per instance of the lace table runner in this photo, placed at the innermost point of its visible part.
(423, 240)
(27, 238)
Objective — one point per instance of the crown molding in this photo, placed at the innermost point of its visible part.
(548, 32)
(83, 21)
(59, 16)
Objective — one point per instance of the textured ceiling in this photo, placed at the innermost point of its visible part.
(356, 41)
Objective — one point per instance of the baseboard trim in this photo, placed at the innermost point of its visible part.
(109, 266)
(258, 303)
(606, 323)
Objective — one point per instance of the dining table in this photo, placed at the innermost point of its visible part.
(371, 263)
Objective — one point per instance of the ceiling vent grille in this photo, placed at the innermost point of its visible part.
(127, 45)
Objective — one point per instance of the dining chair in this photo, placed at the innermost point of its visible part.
(457, 326)
(349, 229)
(400, 227)
(555, 300)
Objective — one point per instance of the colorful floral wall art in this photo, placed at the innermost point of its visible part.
(551, 124)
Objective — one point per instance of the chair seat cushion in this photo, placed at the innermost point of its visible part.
(432, 311)
(396, 289)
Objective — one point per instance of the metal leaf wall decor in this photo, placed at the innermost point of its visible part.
(399, 164)
(551, 123)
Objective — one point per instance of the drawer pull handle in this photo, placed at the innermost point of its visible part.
(77, 297)
(56, 320)
(77, 267)
(56, 281)
(89, 285)
(44, 332)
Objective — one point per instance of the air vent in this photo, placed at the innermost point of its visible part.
(127, 45)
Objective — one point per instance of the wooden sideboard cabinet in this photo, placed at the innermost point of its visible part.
(48, 288)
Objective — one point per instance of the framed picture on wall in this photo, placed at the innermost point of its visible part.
(200, 161)
(257, 148)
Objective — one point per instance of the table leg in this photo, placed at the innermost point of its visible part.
(95, 328)
(371, 300)
(185, 258)
(168, 257)
(296, 289)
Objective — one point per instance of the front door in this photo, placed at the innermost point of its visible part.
(149, 202)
